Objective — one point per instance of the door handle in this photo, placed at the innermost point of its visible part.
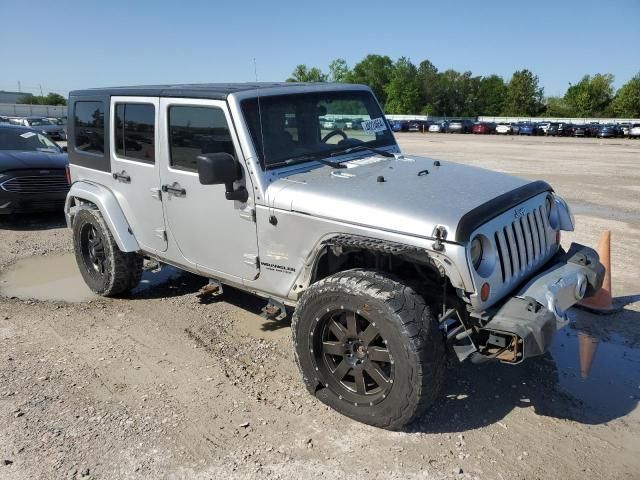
(175, 189)
(122, 176)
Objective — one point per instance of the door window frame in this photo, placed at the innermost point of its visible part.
(155, 102)
(166, 103)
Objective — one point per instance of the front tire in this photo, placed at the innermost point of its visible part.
(368, 346)
(106, 270)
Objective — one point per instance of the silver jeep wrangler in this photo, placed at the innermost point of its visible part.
(298, 193)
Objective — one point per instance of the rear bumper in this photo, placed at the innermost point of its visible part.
(524, 325)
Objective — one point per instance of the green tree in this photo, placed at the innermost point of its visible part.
(591, 96)
(492, 93)
(302, 73)
(524, 95)
(428, 78)
(557, 107)
(627, 101)
(339, 70)
(374, 71)
(49, 99)
(456, 94)
(403, 89)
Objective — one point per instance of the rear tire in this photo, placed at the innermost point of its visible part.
(106, 270)
(368, 346)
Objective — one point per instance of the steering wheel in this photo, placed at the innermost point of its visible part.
(333, 133)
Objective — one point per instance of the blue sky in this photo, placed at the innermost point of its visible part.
(64, 45)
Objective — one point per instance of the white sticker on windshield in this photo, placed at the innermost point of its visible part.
(27, 134)
(375, 125)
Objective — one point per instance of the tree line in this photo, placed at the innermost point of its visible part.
(49, 99)
(405, 88)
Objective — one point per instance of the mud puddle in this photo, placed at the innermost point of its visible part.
(603, 374)
(57, 278)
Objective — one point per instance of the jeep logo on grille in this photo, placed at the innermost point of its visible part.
(518, 213)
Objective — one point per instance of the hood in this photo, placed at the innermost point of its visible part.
(408, 201)
(15, 160)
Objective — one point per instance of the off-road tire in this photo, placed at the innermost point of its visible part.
(402, 318)
(121, 271)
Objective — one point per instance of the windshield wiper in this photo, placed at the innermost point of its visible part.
(358, 148)
(316, 157)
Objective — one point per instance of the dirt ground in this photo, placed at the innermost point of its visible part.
(163, 386)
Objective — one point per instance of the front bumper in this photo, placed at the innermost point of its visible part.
(524, 325)
(13, 203)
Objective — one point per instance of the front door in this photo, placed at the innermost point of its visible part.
(216, 234)
(134, 166)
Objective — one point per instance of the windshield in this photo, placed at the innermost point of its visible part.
(25, 141)
(302, 127)
(37, 122)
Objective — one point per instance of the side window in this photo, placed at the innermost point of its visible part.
(89, 127)
(134, 129)
(194, 131)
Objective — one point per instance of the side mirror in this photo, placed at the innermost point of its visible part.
(221, 168)
(65, 149)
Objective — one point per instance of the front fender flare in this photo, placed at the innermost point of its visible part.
(84, 192)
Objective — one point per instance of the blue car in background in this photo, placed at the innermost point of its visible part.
(527, 129)
(396, 126)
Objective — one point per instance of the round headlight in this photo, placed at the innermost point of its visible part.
(475, 252)
(549, 204)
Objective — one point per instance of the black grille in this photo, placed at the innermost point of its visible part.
(36, 184)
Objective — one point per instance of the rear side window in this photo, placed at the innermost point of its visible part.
(89, 127)
(134, 128)
(194, 131)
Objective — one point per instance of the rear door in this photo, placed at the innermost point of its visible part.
(134, 139)
(216, 234)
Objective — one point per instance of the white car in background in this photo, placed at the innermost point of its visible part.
(437, 128)
(634, 130)
(504, 129)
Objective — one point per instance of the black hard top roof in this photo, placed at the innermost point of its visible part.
(217, 91)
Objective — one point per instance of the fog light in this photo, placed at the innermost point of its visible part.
(484, 292)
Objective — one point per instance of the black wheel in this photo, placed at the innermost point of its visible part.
(105, 269)
(368, 346)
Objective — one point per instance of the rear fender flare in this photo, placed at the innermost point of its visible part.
(85, 194)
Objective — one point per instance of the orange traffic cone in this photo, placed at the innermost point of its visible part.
(602, 302)
(587, 348)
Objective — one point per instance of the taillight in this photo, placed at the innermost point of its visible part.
(67, 174)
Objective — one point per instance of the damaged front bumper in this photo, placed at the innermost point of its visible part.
(524, 325)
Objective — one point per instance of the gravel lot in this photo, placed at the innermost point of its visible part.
(161, 385)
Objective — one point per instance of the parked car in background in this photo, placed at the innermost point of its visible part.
(593, 129)
(43, 125)
(33, 172)
(438, 127)
(580, 131)
(624, 129)
(504, 129)
(482, 128)
(607, 131)
(553, 129)
(515, 128)
(527, 129)
(418, 126)
(543, 127)
(396, 126)
(460, 126)
(634, 130)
